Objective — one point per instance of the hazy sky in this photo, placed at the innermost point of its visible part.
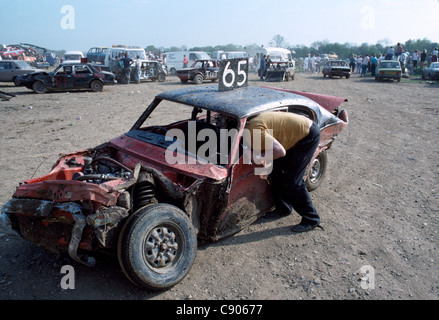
(81, 24)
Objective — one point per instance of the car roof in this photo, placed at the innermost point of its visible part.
(242, 102)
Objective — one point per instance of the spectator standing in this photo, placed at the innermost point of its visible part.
(423, 58)
(127, 68)
(415, 60)
(434, 56)
(399, 49)
(306, 63)
(364, 65)
(318, 59)
(359, 63)
(262, 67)
(138, 65)
(352, 62)
(373, 64)
(185, 61)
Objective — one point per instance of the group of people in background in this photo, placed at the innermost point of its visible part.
(312, 64)
(368, 63)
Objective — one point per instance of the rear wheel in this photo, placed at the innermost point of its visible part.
(316, 171)
(198, 78)
(157, 246)
(39, 87)
(96, 86)
(161, 77)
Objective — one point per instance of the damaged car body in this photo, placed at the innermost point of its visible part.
(125, 197)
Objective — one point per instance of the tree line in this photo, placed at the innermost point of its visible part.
(344, 51)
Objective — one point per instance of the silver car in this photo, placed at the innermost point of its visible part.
(10, 69)
(431, 72)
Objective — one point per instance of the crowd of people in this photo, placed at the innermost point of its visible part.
(312, 63)
(409, 61)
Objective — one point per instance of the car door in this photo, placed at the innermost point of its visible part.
(6, 71)
(81, 76)
(63, 78)
(250, 194)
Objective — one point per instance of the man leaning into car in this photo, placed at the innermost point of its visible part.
(294, 140)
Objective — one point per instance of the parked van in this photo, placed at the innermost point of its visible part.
(276, 54)
(174, 59)
(73, 56)
(105, 58)
(220, 55)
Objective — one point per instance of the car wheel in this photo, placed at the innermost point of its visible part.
(157, 246)
(17, 82)
(348, 76)
(316, 171)
(184, 80)
(287, 76)
(173, 71)
(96, 86)
(39, 87)
(161, 77)
(198, 79)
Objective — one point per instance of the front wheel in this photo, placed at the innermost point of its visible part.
(157, 246)
(316, 171)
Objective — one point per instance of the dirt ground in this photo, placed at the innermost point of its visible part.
(379, 202)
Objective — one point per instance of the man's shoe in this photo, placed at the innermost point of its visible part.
(305, 227)
(276, 214)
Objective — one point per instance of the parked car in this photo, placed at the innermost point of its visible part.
(199, 71)
(68, 76)
(388, 69)
(11, 69)
(130, 197)
(280, 71)
(337, 68)
(431, 72)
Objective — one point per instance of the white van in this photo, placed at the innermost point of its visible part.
(73, 56)
(105, 58)
(220, 55)
(174, 59)
(276, 54)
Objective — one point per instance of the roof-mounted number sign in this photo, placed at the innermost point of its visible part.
(233, 73)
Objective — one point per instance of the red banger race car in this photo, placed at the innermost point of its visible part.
(152, 197)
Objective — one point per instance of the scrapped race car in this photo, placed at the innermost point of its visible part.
(388, 69)
(336, 68)
(280, 71)
(154, 193)
(431, 72)
(69, 76)
(199, 71)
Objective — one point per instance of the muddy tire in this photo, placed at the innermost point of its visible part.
(198, 79)
(316, 171)
(39, 87)
(157, 246)
(96, 86)
(161, 77)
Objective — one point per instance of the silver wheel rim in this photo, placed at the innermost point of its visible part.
(314, 174)
(161, 247)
